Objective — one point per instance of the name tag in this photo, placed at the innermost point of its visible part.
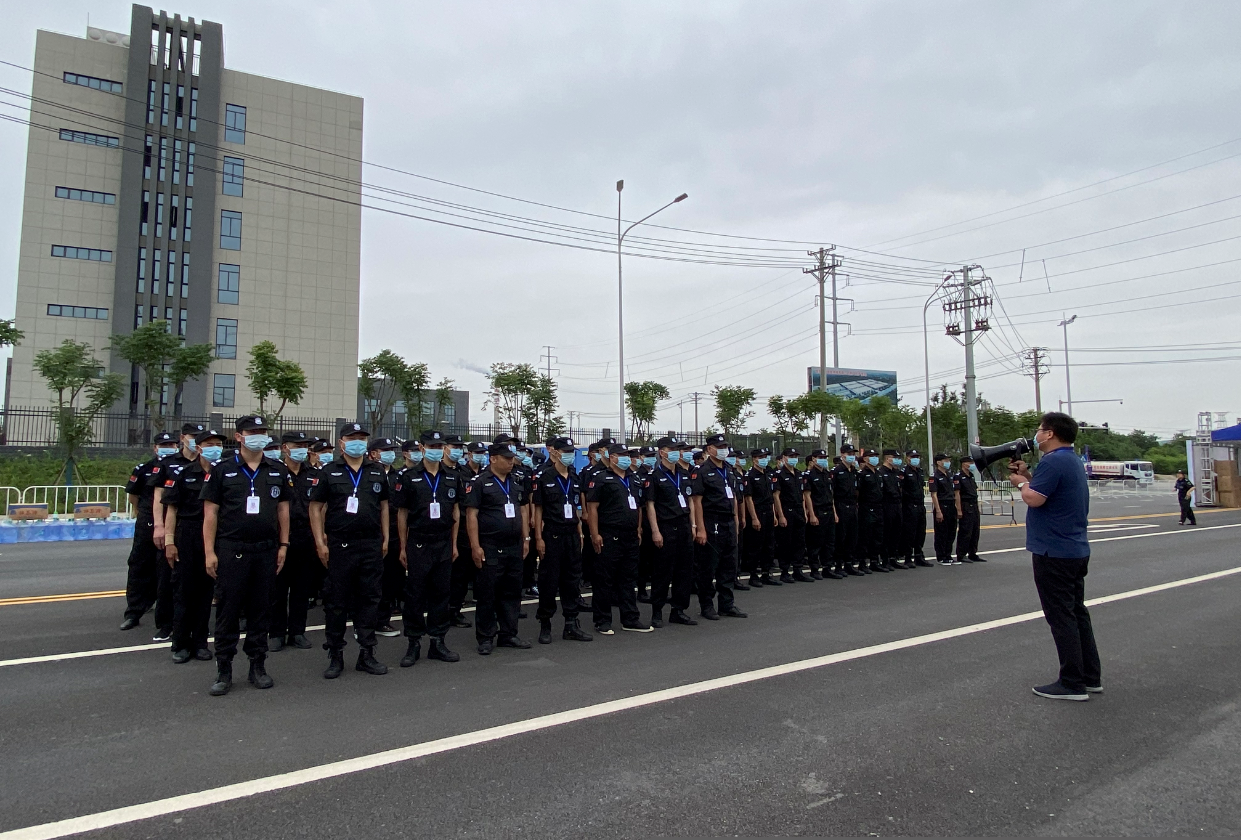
(351, 504)
(433, 511)
(252, 504)
(680, 500)
(510, 510)
(633, 503)
(568, 511)
(728, 491)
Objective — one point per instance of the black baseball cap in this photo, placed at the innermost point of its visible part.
(716, 440)
(790, 452)
(649, 450)
(251, 423)
(847, 447)
(353, 429)
(320, 445)
(892, 452)
(667, 443)
(453, 440)
(409, 445)
(165, 437)
(273, 446)
(381, 444)
(759, 453)
(294, 437)
(913, 453)
(478, 446)
(604, 443)
(432, 437)
(618, 449)
(561, 444)
(192, 428)
(206, 435)
(818, 453)
(870, 452)
(939, 456)
(500, 449)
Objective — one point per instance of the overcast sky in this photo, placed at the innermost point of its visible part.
(866, 125)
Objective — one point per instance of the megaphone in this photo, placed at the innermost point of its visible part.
(985, 455)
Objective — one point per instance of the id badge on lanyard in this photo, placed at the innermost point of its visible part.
(728, 491)
(633, 503)
(351, 504)
(510, 510)
(568, 510)
(680, 500)
(433, 510)
(252, 504)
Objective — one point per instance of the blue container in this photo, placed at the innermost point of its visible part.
(82, 529)
(127, 529)
(8, 533)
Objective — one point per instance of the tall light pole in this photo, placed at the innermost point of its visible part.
(1068, 384)
(620, 298)
(926, 365)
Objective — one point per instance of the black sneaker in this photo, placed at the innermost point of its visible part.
(815, 574)
(182, 656)
(961, 560)
(515, 642)
(756, 582)
(275, 644)
(976, 559)
(637, 628)
(679, 617)
(203, 655)
(1056, 691)
(163, 634)
(710, 614)
(604, 630)
(1094, 689)
(743, 587)
(768, 580)
(129, 624)
(485, 647)
(458, 620)
(545, 631)
(733, 612)
(299, 641)
(439, 651)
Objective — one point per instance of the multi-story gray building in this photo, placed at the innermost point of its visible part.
(161, 185)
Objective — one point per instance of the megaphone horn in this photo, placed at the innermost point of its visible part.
(985, 455)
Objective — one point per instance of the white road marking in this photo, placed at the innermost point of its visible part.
(295, 778)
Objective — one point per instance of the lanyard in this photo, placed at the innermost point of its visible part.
(250, 475)
(723, 475)
(503, 483)
(625, 482)
(564, 488)
(354, 478)
(676, 481)
(434, 487)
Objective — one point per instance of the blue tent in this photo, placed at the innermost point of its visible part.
(1232, 433)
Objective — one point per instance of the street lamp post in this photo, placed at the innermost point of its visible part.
(620, 297)
(926, 364)
(1068, 384)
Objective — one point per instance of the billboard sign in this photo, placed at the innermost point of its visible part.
(855, 384)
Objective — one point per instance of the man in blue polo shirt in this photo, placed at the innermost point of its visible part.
(1059, 501)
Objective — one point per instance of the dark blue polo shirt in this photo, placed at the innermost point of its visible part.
(1058, 527)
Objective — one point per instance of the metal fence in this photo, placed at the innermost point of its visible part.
(60, 500)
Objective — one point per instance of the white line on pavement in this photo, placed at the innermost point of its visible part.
(281, 781)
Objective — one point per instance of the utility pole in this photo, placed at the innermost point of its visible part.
(1068, 384)
(967, 314)
(826, 263)
(1034, 363)
(694, 398)
(550, 358)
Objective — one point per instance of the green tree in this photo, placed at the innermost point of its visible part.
(540, 408)
(10, 334)
(443, 397)
(642, 399)
(164, 361)
(819, 404)
(83, 391)
(385, 378)
(274, 378)
(732, 407)
(511, 387)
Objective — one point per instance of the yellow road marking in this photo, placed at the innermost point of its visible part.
(72, 596)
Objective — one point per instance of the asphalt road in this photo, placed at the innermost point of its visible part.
(931, 736)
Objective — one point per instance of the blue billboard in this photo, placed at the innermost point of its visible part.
(856, 384)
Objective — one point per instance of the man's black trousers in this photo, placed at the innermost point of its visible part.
(1061, 587)
(893, 532)
(245, 576)
(560, 569)
(191, 613)
(821, 542)
(870, 533)
(497, 591)
(674, 566)
(913, 517)
(392, 585)
(427, 581)
(464, 572)
(296, 584)
(967, 531)
(760, 544)
(945, 533)
(791, 546)
(616, 575)
(1187, 512)
(149, 582)
(355, 569)
(715, 563)
(846, 533)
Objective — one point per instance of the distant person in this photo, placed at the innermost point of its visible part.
(1184, 488)
(1059, 502)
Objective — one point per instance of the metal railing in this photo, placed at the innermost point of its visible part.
(60, 500)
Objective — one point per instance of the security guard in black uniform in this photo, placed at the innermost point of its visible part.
(558, 539)
(845, 495)
(913, 514)
(1184, 498)
(186, 454)
(892, 553)
(302, 575)
(870, 513)
(968, 521)
(349, 517)
(791, 493)
(382, 451)
(668, 511)
(614, 516)
(149, 579)
(245, 540)
(760, 529)
(821, 529)
(428, 521)
(648, 458)
(714, 497)
(943, 488)
(463, 571)
(183, 545)
(497, 520)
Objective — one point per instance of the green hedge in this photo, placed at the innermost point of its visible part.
(23, 471)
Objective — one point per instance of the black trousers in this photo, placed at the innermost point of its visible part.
(914, 519)
(1061, 587)
(464, 572)
(870, 533)
(149, 581)
(715, 563)
(427, 581)
(191, 612)
(616, 575)
(791, 546)
(296, 584)
(530, 567)
(646, 556)
(821, 542)
(967, 531)
(560, 569)
(945, 532)
(1187, 512)
(497, 589)
(672, 576)
(244, 580)
(760, 545)
(893, 531)
(355, 569)
(846, 533)
(392, 583)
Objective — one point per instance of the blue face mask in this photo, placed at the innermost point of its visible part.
(896, 462)
(512, 447)
(480, 458)
(213, 453)
(674, 455)
(873, 460)
(388, 456)
(946, 464)
(915, 462)
(731, 460)
(273, 454)
(623, 461)
(300, 454)
(567, 458)
(255, 443)
(191, 446)
(741, 463)
(794, 461)
(598, 457)
(763, 462)
(355, 448)
(527, 461)
(326, 457)
(416, 456)
(165, 451)
(850, 459)
(433, 455)
(648, 460)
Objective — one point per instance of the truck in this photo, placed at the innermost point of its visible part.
(1143, 472)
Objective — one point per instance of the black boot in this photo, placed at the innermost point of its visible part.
(258, 674)
(223, 679)
(438, 650)
(850, 569)
(458, 620)
(413, 653)
(182, 656)
(657, 618)
(679, 617)
(573, 632)
(756, 581)
(335, 665)
(768, 580)
(545, 631)
(368, 663)
(739, 586)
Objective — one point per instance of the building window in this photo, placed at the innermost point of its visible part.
(163, 113)
(159, 215)
(189, 211)
(146, 158)
(172, 277)
(146, 209)
(226, 338)
(163, 158)
(92, 82)
(235, 123)
(174, 214)
(151, 101)
(185, 275)
(156, 268)
(89, 312)
(142, 271)
(230, 230)
(449, 413)
(234, 176)
(180, 106)
(194, 96)
(85, 195)
(229, 290)
(198, 51)
(137, 316)
(182, 323)
(89, 139)
(189, 167)
(224, 391)
(92, 254)
(176, 162)
(154, 45)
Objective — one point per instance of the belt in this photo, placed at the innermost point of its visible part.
(234, 545)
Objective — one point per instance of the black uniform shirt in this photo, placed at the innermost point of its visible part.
(415, 489)
(759, 486)
(552, 492)
(890, 480)
(912, 482)
(1183, 486)
(944, 486)
(967, 486)
(230, 484)
(869, 487)
(790, 484)
(819, 483)
(182, 487)
(670, 493)
(844, 485)
(336, 486)
(143, 480)
(488, 494)
(717, 488)
(619, 499)
(526, 477)
(299, 503)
